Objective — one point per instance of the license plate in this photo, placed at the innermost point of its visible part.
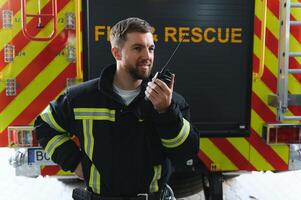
(38, 156)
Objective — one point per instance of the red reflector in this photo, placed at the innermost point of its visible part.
(283, 133)
(21, 136)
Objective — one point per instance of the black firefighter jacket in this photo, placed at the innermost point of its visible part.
(123, 149)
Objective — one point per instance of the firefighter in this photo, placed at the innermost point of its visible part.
(126, 141)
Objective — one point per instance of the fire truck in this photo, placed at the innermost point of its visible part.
(238, 67)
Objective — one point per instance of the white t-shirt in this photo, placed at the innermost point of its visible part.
(127, 95)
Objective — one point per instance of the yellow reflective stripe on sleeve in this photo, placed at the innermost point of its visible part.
(94, 113)
(154, 187)
(94, 180)
(181, 137)
(55, 142)
(48, 118)
(88, 137)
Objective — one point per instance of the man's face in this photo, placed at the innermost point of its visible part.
(137, 55)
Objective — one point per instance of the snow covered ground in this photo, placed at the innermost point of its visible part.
(251, 186)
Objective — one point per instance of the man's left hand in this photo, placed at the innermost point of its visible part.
(160, 94)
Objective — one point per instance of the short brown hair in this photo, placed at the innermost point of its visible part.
(129, 25)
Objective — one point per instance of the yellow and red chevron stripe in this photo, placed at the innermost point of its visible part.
(40, 68)
(252, 153)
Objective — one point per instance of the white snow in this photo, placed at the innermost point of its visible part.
(251, 186)
(23, 188)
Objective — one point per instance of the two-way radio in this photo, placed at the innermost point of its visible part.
(165, 74)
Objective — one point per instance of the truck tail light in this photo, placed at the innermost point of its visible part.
(22, 136)
(9, 53)
(11, 87)
(282, 133)
(7, 18)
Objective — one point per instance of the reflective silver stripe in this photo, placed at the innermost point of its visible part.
(181, 137)
(94, 113)
(88, 138)
(88, 115)
(154, 187)
(94, 180)
(55, 142)
(47, 117)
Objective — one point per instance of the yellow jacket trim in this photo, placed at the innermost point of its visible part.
(94, 180)
(88, 138)
(94, 114)
(181, 137)
(154, 187)
(49, 119)
(55, 142)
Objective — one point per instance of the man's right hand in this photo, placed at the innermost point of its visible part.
(79, 171)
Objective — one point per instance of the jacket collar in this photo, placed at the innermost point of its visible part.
(105, 84)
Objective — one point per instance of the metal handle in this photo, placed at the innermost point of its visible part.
(259, 74)
(39, 15)
(79, 69)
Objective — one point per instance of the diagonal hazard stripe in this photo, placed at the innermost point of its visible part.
(267, 85)
(32, 69)
(256, 121)
(233, 154)
(260, 90)
(27, 69)
(281, 150)
(37, 85)
(273, 5)
(244, 148)
(269, 154)
(258, 159)
(206, 160)
(272, 42)
(270, 77)
(260, 107)
(21, 40)
(266, 116)
(295, 39)
(271, 70)
(13, 5)
(270, 80)
(2, 4)
(7, 35)
(257, 27)
(41, 101)
(294, 64)
(272, 34)
(32, 49)
(3, 140)
(49, 92)
(255, 157)
(216, 155)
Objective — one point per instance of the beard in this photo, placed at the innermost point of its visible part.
(137, 73)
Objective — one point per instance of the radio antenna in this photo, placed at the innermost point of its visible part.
(173, 53)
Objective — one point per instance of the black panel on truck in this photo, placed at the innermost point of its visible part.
(213, 65)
